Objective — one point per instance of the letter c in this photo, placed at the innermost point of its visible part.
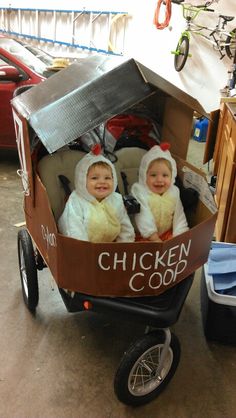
(131, 282)
(100, 261)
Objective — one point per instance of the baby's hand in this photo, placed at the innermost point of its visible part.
(155, 237)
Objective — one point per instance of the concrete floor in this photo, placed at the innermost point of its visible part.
(61, 365)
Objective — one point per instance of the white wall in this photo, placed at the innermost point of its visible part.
(204, 74)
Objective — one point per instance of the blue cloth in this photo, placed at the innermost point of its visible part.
(224, 281)
(222, 266)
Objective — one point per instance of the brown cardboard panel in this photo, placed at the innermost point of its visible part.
(177, 125)
(199, 215)
(136, 269)
(41, 226)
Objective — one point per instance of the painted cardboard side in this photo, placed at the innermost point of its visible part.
(136, 269)
(42, 227)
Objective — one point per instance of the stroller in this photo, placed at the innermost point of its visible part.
(141, 281)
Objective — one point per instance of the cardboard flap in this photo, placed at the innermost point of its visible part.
(84, 95)
(81, 97)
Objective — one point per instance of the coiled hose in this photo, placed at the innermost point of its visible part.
(165, 23)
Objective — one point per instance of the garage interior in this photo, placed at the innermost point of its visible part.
(56, 364)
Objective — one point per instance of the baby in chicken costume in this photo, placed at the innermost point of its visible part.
(94, 211)
(161, 212)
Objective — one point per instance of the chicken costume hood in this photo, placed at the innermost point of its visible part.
(156, 152)
(88, 219)
(82, 169)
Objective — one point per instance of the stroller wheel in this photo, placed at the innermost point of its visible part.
(136, 381)
(28, 270)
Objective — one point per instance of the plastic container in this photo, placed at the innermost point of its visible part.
(200, 129)
(218, 311)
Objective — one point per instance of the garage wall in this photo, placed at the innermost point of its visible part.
(204, 74)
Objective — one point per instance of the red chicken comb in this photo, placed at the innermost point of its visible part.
(96, 149)
(165, 146)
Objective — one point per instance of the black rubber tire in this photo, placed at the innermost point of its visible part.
(28, 270)
(181, 53)
(231, 47)
(147, 349)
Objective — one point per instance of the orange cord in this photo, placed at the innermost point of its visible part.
(167, 14)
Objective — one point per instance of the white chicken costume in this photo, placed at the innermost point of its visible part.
(158, 213)
(87, 219)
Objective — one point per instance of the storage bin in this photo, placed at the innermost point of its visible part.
(218, 311)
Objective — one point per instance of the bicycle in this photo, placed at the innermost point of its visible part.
(218, 36)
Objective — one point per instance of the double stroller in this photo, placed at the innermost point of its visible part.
(142, 281)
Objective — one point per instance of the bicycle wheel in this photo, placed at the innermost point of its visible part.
(231, 44)
(181, 53)
(136, 381)
(28, 270)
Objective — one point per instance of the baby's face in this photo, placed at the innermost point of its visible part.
(100, 182)
(158, 177)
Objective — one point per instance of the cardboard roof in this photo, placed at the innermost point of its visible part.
(86, 94)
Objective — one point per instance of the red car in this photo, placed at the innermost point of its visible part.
(18, 67)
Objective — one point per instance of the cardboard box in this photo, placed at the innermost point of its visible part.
(67, 105)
